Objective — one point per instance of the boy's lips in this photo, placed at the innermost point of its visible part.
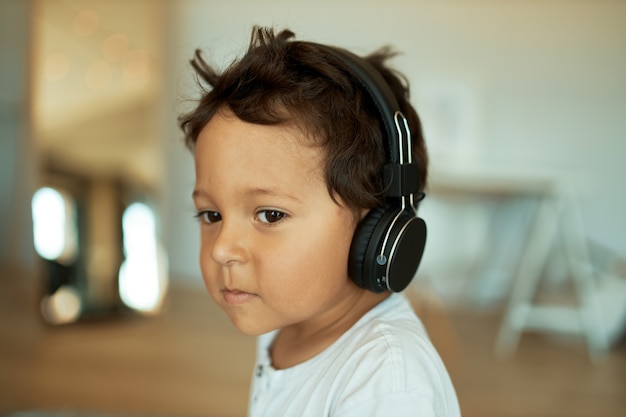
(235, 296)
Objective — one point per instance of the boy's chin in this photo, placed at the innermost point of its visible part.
(250, 328)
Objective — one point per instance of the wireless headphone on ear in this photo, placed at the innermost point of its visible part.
(388, 243)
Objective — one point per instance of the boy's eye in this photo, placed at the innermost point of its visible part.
(209, 216)
(270, 216)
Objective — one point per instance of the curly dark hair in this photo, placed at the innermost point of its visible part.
(283, 81)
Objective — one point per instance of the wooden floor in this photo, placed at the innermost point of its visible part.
(190, 362)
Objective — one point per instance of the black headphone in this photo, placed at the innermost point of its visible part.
(388, 243)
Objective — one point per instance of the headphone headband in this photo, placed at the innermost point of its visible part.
(400, 174)
(378, 89)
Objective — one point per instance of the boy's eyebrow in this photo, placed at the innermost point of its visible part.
(197, 193)
(271, 193)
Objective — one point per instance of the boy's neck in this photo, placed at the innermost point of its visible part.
(299, 343)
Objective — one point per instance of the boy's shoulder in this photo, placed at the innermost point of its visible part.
(386, 357)
(389, 354)
(392, 336)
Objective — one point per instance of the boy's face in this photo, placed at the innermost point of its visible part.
(274, 245)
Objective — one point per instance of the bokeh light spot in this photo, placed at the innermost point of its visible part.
(56, 67)
(86, 23)
(115, 47)
(99, 75)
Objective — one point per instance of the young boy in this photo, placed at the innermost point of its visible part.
(289, 155)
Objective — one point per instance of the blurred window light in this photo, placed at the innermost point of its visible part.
(142, 276)
(54, 226)
(62, 307)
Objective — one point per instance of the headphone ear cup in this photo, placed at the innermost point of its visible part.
(404, 236)
(408, 235)
(357, 265)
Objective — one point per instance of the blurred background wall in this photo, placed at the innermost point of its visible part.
(17, 154)
(520, 92)
(522, 101)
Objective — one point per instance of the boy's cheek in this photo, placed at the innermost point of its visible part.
(208, 274)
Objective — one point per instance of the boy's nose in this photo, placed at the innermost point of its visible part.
(228, 245)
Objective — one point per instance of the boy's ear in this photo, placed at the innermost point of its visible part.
(363, 213)
(358, 215)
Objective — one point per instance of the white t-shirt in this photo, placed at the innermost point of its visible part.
(385, 365)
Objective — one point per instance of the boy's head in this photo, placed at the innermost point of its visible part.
(289, 157)
(286, 82)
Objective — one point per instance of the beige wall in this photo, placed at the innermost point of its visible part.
(520, 89)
